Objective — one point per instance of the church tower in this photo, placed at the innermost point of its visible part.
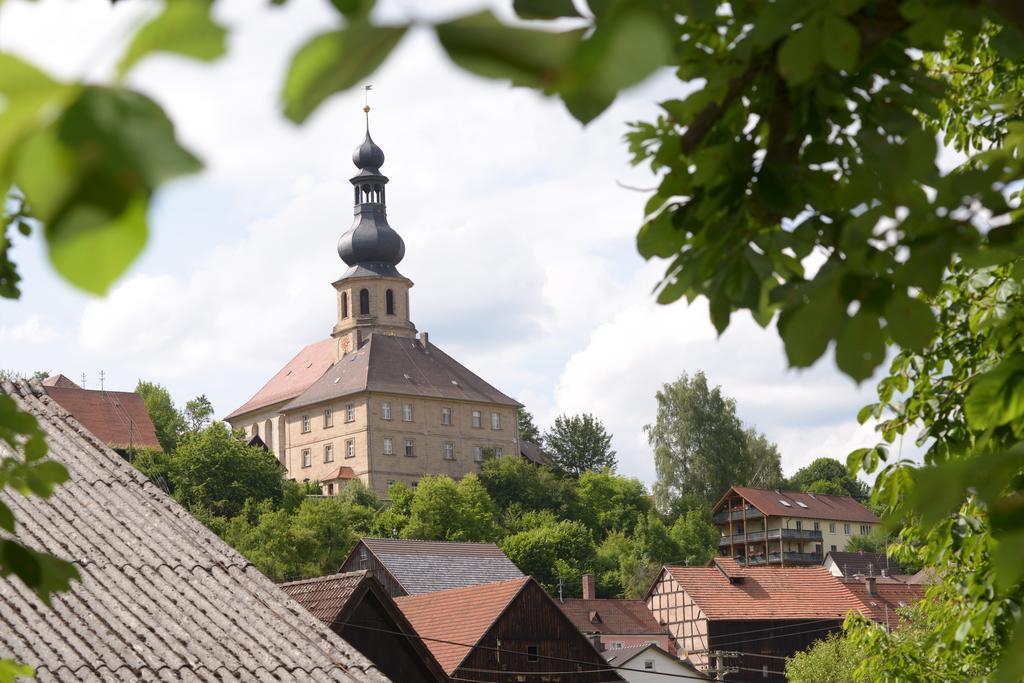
(373, 297)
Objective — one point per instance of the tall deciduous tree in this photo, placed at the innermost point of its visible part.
(441, 509)
(579, 443)
(528, 430)
(700, 445)
(167, 421)
(198, 413)
(561, 552)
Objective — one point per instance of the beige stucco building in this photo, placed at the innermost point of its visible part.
(375, 400)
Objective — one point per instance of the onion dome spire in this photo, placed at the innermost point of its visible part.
(370, 246)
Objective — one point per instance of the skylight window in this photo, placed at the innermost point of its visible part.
(786, 503)
(802, 504)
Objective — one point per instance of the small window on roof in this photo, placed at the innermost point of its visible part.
(802, 504)
(786, 503)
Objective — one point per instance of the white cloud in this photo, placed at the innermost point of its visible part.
(31, 330)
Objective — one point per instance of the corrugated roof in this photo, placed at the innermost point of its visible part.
(766, 593)
(607, 616)
(118, 418)
(426, 566)
(459, 615)
(294, 378)
(399, 365)
(808, 505)
(161, 596)
(852, 563)
(327, 596)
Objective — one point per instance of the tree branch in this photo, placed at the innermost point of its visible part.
(707, 117)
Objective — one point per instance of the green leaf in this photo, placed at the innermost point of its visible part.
(11, 670)
(840, 43)
(184, 27)
(43, 573)
(807, 328)
(26, 93)
(353, 9)
(996, 397)
(333, 62)
(800, 54)
(484, 46)
(865, 413)
(910, 321)
(544, 9)
(6, 517)
(861, 346)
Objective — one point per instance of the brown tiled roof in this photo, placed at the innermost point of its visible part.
(60, 381)
(427, 566)
(852, 563)
(341, 473)
(766, 593)
(890, 595)
(613, 617)
(799, 504)
(326, 597)
(118, 418)
(458, 615)
(399, 365)
(294, 378)
(161, 596)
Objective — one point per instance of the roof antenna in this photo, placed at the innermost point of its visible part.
(366, 104)
(102, 377)
(83, 380)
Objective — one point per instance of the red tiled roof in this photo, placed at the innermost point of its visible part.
(890, 595)
(117, 418)
(800, 504)
(294, 378)
(60, 381)
(766, 593)
(460, 615)
(340, 473)
(613, 617)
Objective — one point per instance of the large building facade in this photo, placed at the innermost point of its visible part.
(375, 400)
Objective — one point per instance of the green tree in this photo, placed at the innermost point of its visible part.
(393, 519)
(219, 471)
(515, 482)
(155, 464)
(768, 461)
(828, 475)
(443, 510)
(875, 542)
(579, 443)
(198, 413)
(527, 428)
(167, 421)
(606, 502)
(696, 537)
(563, 551)
(700, 445)
(830, 660)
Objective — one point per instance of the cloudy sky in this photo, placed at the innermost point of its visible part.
(518, 224)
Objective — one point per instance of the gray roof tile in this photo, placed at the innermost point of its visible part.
(428, 566)
(161, 597)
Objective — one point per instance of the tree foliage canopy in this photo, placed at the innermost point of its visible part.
(578, 444)
(828, 475)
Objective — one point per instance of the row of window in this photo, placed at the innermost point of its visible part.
(364, 303)
(447, 451)
(865, 529)
(407, 416)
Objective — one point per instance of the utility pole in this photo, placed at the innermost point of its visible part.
(560, 599)
(102, 377)
(722, 670)
(83, 380)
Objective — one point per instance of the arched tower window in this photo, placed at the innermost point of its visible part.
(344, 304)
(268, 435)
(364, 302)
(389, 302)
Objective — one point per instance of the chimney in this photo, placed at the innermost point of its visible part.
(869, 582)
(884, 572)
(424, 340)
(589, 588)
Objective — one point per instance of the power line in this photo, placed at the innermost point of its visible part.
(603, 667)
(781, 635)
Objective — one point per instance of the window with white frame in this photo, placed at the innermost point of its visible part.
(446, 416)
(305, 423)
(385, 410)
(495, 421)
(329, 452)
(328, 417)
(478, 453)
(865, 529)
(350, 448)
(817, 526)
(306, 458)
(407, 412)
(477, 420)
(846, 528)
(831, 527)
(449, 450)
(409, 448)
(389, 446)
(350, 413)
(497, 451)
